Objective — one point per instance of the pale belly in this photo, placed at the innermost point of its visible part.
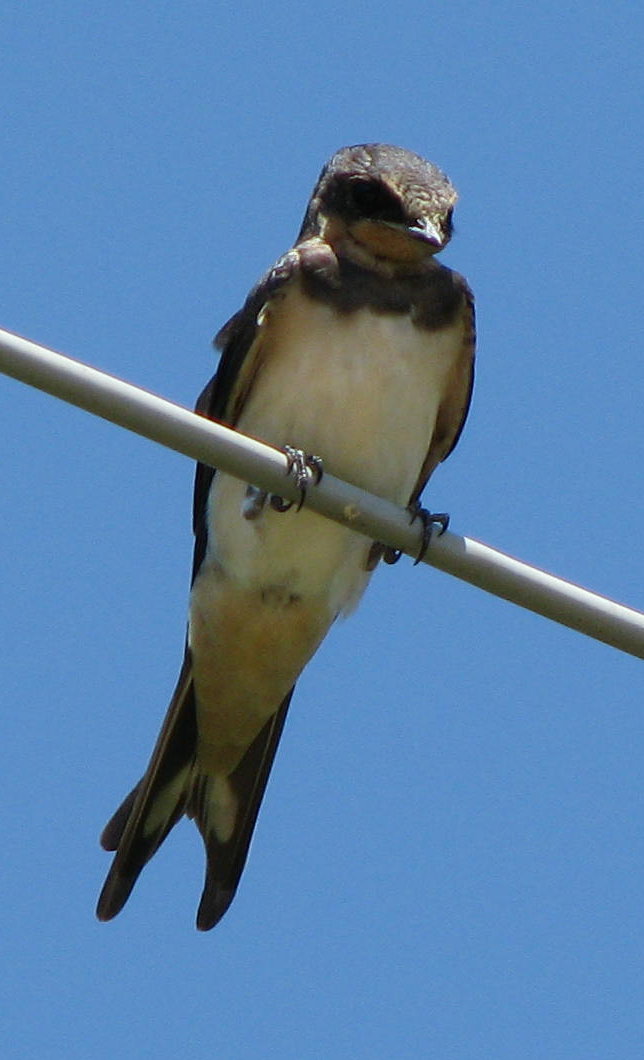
(362, 392)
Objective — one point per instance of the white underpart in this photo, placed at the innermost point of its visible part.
(223, 808)
(362, 391)
(165, 802)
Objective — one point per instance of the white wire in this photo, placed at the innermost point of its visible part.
(178, 428)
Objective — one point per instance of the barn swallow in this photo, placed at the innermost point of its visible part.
(356, 346)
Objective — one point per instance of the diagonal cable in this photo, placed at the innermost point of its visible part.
(252, 461)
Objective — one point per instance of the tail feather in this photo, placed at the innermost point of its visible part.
(226, 857)
(153, 807)
(113, 831)
(224, 808)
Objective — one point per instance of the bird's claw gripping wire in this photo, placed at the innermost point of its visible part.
(300, 466)
(430, 521)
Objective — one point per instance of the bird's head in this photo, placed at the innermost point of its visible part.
(381, 206)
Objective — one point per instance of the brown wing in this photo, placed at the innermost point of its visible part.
(453, 410)
(224, 396)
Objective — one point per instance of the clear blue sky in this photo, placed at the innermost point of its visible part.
(450, 859)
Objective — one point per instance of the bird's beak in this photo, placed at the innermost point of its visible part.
(428, 232)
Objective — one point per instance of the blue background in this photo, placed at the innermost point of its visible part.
(450, 858)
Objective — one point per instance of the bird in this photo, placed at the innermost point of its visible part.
(355, 354)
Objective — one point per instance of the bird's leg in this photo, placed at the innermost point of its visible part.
(430, 520)
(254, 502)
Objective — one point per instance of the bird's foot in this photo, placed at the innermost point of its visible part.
(300, 466)
(430, 521)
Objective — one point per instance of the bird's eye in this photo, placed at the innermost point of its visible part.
(369, 198)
